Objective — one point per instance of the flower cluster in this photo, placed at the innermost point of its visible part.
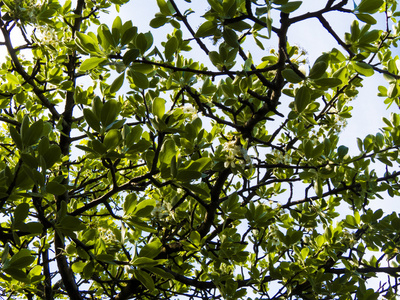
(160, 212)
(107, 235)
(190, 112)
(235, 153)
(47, 36)
(337, 123)
(282, 158)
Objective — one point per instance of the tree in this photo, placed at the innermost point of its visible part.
(129, 170)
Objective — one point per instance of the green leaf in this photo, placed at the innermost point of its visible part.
(105, 257)
(160, 272)
(290, 6)
(318, 187)
(199, 164)
(187, 175)
(11, 78)
(116, 29)
(87, 43)
(366, 18)
(129, 34)
(130, 56)
(215, 58)
(351, 222)
(117, 83)
(110, 112)
(17, 274)
(170, 47)
(328, 82)
(21, 213)
(107, 37)
(393, 91)
(91, 119)
(32, 134)
(20, 260)
(318, 70)
(52, 155)
(97, 106)
(342, 151)
(302, 98)
(140, 225)
(363, 68)
(71, 223)
(158, 107)
(144, 262)
(55, 188)
(208, 28)
(139, 79)
(34, 227)
(369, 6)
(145, 279)
(167, 151)
(144, 208)
(158, 21)
(216, 5)
(112, 138)
(141, 43)
(291, 76)
(87, 271)
(91, 63)
(164, 8)
(29, 160)
(16, 137)
(77, 267)
(230, 37)
(152, 249)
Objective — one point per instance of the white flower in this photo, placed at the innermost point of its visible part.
(160, 212)
(230, 161)
(281, 158)
(190, 111)
(235, 152)
(303, 70)
(232, 147)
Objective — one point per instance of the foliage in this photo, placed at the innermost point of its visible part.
(130, 170)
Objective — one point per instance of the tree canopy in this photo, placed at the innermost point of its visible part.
(130, 168)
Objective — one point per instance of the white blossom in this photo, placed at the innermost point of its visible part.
(235, 153)
(281, 158)
(190, 111)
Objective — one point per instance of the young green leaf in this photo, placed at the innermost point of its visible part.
(91, 63)
(158, 107)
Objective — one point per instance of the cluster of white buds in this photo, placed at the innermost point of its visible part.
(235, 153)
